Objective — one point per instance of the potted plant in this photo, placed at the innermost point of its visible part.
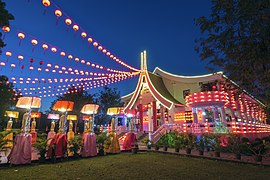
(215, 144)
(157, 145)
(75, 145)
(177, 143)
(135, 148)
(236, 145)
(189, 141)
(164, 141)
(258, 148)
(42, 146)
(148, 143)
(201, 144)
(101, 138)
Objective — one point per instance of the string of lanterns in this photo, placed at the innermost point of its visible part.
(59, 90)
(48, 67)
(69, 22)
(47, 46)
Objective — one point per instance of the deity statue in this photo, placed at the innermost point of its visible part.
(9, 125)
(113, 125)
(131, 125)
(24, 123)
(61, 124)
(70, 126)
(52, 126)
(33, 125)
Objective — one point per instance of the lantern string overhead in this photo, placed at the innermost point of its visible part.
(76, 27)
(54, 49)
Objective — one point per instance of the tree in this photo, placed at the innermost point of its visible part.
(107, 98)
(8, 98)
(5, 17)
(236, 38)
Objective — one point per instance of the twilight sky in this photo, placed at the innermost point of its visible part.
(164, 28)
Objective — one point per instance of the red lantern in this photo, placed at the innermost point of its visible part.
(41, 63)
(31, 60)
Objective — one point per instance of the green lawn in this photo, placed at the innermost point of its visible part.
(140, 166)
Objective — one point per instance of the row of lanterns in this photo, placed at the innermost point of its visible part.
(58, 13)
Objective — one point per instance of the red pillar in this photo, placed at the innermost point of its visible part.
(141, 117)
(154, 115)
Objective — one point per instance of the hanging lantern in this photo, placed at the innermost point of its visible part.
(104, 50)
(75, 27)
(62, 53)
(58, 14)
(20, 57)
(54, 49)
(34, 42)
(46, 3)
(31, 60)
(31, 68)
(45, 46)
(41, 63)
(22, 67)
(12, 66)
(68, 21)
(100, 48)
(70, 56)
(83, 34)
(6, 29)
(77, 59)
(21, 36)
(95, 44)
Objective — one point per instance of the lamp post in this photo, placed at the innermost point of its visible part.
(89, 137)
(64, 107)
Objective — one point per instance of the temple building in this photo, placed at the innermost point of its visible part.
(162, 98)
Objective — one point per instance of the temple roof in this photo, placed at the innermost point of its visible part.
(161, 88)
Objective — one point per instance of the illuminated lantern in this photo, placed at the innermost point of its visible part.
(46, 3)
(70, 56)
(77, 59)
(58, 14)
(83, 34)
(20, 57)
(90, 40)
(12, 66)
(8, 54)
(45, 47)
(68, 21)
(53, 49)
(62, 53)
(100, 48)
(104, 50)
(21, 36)
(31, 68)
(75, 27)
(34, 42)
(5, 28)
(95, 44)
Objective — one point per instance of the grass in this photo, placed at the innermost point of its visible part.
(137, 166)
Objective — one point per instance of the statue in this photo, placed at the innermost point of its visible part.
(52, 126)
(113, 125)
(131, 125)
(33, 125)
(24, 123)
(61, 124)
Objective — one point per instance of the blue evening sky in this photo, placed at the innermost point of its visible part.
(164, 28)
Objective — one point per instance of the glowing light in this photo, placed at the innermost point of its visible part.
(58, 13)
(21, 35)
(68, 21)
(46, 3)
(5, 28)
